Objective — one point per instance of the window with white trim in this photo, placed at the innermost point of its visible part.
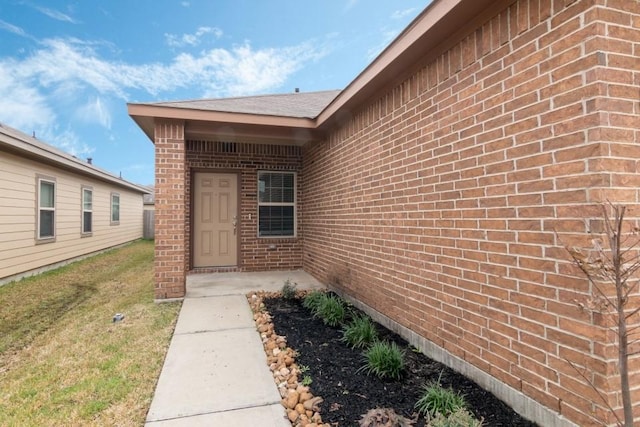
(46, 227)
(115, 208)
(87, 210)
(276, 204)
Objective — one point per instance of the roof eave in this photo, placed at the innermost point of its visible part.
(426, 33)
(146, 114)
(429, 34)
(24, 149)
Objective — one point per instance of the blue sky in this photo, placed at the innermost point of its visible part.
(68, 68)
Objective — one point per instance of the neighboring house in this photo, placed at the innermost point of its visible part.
(149, 200)
(149, 215)
(437, 189)
(55, 208)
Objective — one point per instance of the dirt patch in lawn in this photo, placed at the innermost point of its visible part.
(348, 394)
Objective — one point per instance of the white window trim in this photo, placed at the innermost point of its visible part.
(117, 222)
(39, 180)
(83, 211)
(294, 204)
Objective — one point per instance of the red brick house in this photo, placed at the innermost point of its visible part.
(436, 189)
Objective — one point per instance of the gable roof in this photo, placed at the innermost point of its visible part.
(300, 105)
(433, 31)
(23, 145)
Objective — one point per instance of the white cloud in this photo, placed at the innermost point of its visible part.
(68, 141)
(63, 61)
(243, 70)
(239, 70)
(21, 105)
(387, 37)
(55, 14)
(12, 28)
(399, 14)
(67, 79)
(24, 107)
(194, 39)
(350, 4)
(94, 111)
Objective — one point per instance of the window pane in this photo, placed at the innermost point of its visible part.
(276, 187)
(276, 180)
(86, 222)
(46, 224)
(87, 197)
(265, 195)
(287, 195)
(287, 180)
(276, 195)
(276, 221)
(115, 208)
(47, 194)
(263, 184)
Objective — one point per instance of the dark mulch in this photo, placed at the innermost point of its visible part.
(348, 394)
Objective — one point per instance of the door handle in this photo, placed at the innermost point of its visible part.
(235, 223)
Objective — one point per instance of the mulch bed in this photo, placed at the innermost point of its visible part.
(348, 394)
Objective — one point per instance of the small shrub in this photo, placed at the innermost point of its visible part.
(439, 400)
(385, 360)
(289, 289)
(312, 300)
(307, 380)
(331, 310)
(459, 418)
(360, 332)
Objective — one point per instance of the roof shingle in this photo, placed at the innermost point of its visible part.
(299, 104)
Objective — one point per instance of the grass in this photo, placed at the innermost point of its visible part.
(312, 300)
(460, 418)
(436, 399)
(62, 359)
(360, 332)
(331, 310)
(384, 359)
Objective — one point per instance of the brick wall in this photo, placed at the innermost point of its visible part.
(445, 202)
(256, 254)
(170, 238)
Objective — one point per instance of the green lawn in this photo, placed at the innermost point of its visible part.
(62, 359)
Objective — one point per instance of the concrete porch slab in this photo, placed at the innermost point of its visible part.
(212, 284)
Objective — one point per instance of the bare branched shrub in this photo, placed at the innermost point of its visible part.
(611, 265)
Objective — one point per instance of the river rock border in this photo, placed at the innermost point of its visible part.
(301, 405)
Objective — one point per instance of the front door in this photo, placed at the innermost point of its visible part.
(215, 216)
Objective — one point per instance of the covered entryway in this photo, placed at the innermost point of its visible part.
(215, 220)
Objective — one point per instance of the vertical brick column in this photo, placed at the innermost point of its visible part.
(170, 269)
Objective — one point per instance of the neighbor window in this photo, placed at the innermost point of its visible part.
(46, 209)
(276, 204)
(115, 208)
(87, 210)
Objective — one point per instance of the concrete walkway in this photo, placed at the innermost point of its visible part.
(215, 372)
